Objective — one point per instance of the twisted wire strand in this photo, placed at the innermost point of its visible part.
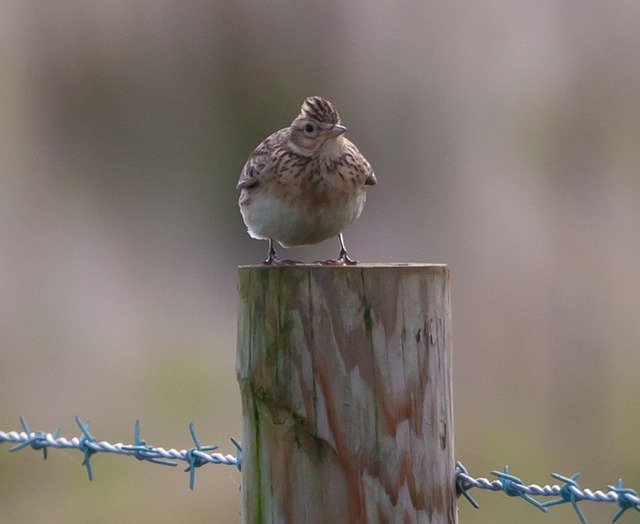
(195, 457)
(568, 491)
(151, 453)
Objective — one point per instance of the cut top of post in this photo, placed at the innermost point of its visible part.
(359, 265)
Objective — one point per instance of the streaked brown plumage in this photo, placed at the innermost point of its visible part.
(305, 183)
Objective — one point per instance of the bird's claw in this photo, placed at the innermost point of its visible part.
(275, 260)
(342, 260)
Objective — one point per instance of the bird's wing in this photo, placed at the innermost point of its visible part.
(362, 164)
(258, 161)
(370, 179)
(250, 175)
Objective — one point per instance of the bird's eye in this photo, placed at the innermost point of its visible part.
(309, 129)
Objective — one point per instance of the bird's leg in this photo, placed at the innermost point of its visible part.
(272, 257)
(274, 260)
(343, 258)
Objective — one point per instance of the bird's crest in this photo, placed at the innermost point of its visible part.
(320, 110)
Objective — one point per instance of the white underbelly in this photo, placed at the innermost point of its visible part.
(270, 217)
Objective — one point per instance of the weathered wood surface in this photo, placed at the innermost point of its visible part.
(345, 375)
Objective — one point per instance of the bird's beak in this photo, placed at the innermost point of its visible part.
(335, 131)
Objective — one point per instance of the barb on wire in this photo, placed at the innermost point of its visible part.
(462, 486)
(568, 491)
(35, 440)
(236, 443)
(82, 445)
(195, 457)
(143, 451)
(512, 486)
(625, 499)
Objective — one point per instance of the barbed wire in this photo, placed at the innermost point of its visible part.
(195, 456)
(567, 492)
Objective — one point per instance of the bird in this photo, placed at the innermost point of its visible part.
(304, 183)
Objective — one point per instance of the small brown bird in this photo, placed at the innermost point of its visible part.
(304, 183)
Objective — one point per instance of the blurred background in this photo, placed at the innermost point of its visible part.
(505, 138)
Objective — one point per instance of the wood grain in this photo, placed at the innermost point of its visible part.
(345, 376)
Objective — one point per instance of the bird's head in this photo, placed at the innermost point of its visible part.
(316, 125)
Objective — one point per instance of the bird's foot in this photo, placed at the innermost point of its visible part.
(272, 259)
(275, 260)
(342, 260)
(345, 260)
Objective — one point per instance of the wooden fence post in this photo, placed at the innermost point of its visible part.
(345, 376)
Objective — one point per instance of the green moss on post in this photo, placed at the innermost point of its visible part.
(346, 390)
